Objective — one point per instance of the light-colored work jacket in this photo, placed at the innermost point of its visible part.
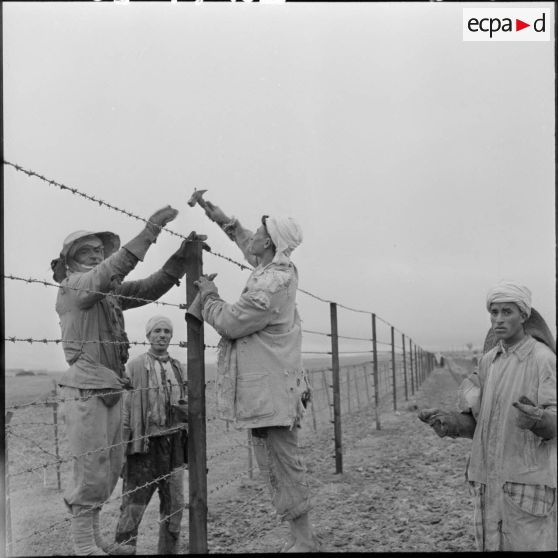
(260, 377)
(91, 320)
(501, 451)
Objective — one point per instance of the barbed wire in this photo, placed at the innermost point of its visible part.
(100, 202)
(91, 291)
(49, 402)
(182, 344)
(316, 332)
(67, 459)
(95, 506)
(11, 432)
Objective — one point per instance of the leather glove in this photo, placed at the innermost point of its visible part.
(215, 213)
(446, 423)
(161, 218)
(530, 417)
(175, 266)
(528, 413)
(206, 287)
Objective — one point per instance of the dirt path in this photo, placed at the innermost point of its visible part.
(402, 490)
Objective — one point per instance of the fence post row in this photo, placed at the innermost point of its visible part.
(197, 457)
(375, 370)
(336, 390)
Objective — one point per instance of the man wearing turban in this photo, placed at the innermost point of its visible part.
(508, 408)
(261, 383)
(154, 428)
(90, 304)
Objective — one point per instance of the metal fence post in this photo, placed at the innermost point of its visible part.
(336, 390)
(375, 370)
(348, 376)
(405, 367)
(311, 378)
(366, 383)
(250, 461)
(394, 380)
(417, 367)
(197, 449)
(411, 366)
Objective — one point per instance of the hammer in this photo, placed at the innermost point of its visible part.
(197, 198)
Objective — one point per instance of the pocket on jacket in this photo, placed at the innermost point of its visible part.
(253, 397)
(537, 500)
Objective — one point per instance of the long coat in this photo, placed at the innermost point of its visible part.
(260, 376)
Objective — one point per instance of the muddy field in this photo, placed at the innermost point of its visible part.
(402, 488)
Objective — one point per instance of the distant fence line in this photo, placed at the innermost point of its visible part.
(336, 390)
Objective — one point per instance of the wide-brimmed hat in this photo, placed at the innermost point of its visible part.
(111, 243)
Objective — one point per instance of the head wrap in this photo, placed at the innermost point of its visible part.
(286, 234)
(509, 291)
(153, 322)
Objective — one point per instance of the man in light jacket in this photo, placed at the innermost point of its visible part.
(90, 302)
(261, 383)
(508, 408)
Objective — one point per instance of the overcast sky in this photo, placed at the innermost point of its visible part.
(420, 167)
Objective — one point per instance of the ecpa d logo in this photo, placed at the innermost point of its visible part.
(507, 24)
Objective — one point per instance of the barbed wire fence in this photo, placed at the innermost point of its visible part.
(389, 367)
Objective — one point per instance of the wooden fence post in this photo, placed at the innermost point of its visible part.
(405, 367)
(336, 389)
(9, 548)
(375, 370)
(54, 405)
(197, 448)
(394, 380)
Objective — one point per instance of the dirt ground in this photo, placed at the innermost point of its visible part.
(402, 489)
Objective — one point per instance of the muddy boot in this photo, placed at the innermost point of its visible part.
(107, 547)
(82, 532)
(304, 538)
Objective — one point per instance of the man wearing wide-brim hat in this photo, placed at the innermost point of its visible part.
(90, 269)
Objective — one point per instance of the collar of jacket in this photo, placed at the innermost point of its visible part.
(521, 349)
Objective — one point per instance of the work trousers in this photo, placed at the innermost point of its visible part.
(94, 433)
(514, 517)
(278, 457)
(161, 468)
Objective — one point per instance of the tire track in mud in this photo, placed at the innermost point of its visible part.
(403, 489)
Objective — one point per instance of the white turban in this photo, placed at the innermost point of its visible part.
(286, 234)
(508, 291)
(155, 321)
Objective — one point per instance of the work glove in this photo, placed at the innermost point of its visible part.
(206, 287)
(530, 417)
(160, 219)
(215, 213)
(175, 266)
(449, 423)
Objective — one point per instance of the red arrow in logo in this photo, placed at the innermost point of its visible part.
(519, 25)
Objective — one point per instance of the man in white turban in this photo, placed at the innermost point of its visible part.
(261, 383)
(155, 430)
(508, 408)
